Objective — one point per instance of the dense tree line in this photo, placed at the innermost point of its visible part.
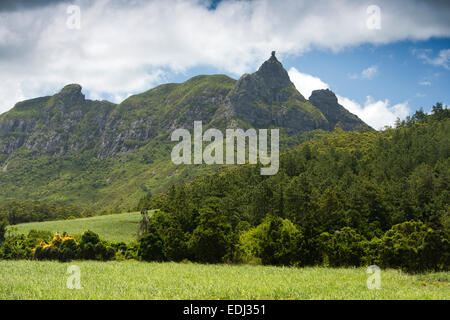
(16, 212)
(343, 198)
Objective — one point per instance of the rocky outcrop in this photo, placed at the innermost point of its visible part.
(65, 122)
(269, 98)
(327, 102)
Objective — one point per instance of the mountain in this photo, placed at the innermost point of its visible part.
(68, 149)
(268, 98)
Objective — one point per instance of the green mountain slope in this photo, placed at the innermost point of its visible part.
(96, 154)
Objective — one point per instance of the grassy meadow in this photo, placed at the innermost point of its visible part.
(141, 280)
(113, 227)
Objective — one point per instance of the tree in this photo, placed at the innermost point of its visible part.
(143, 224)
(3, 225)
(344, 247)
(212, 240)
(151, 246)
(282, 244)
(415, 247)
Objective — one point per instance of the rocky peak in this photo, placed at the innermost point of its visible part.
(269, 98)
(326, 101)
(70, 95)
(273, 73)
(323, 95)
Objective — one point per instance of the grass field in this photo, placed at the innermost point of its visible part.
(113, 227)
(140, 280)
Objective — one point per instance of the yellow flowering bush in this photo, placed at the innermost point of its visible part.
(65, 247)
(62, 248)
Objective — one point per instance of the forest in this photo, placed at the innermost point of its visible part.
(340, 199)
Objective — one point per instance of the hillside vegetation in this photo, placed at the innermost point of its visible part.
(343, 198)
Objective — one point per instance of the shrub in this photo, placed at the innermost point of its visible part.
(344, 247)
(17, 247)
(93, 248)
(151, 246)
(371, 250)
(38, 236)
(89, 237)
(275, 241)
(125, 251)
(62, 248)
(65, 248)
(175, 244)
(281, 243)
(414, 247)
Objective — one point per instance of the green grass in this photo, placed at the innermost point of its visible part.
(140, 280)
(112, 227)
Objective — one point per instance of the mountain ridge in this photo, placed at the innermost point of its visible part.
(266, 98)
(69, 149)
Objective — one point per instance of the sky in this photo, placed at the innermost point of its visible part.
(383, 59)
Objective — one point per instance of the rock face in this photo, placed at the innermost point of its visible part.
(68, 123)
(269, 98)
(56, 125)
(70, 95)
(327, 102)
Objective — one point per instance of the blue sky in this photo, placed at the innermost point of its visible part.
(115, 49)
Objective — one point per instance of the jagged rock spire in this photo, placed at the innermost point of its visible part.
(273, 73)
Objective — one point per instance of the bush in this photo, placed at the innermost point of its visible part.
(39, 236)
(93, 248)
(66, 248)
(62, 248)
(414, 247)
(371, 252)
(281, 243)
(175, 244)
(344, 247)
(275, 241)
(124, 251)
(89, 237)
(175, 239)
(151, 246)
(17, 247)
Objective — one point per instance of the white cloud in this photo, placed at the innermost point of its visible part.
(367, 73)
(370, 72)
(127, 47)
(376, 114)
(306, 83)
(425, 83)
(442, 59)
